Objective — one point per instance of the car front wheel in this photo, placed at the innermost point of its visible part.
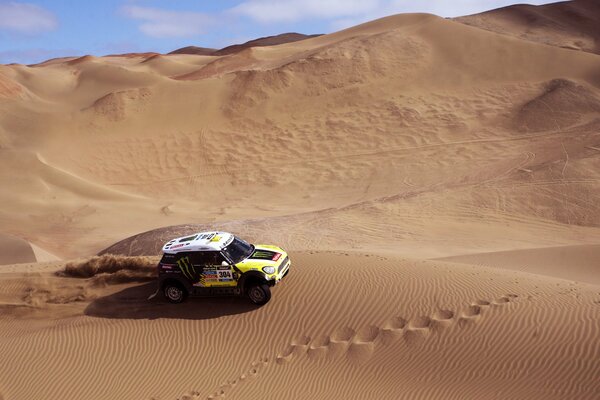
(174, 293)
(259, 294)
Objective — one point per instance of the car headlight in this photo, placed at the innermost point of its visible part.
(269, 270)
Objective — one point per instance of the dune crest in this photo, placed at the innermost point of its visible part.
(568, 24)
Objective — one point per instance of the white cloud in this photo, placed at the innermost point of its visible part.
(295, 10)
(161, 23)
(455, 8)
(344, 13)
(25, 18)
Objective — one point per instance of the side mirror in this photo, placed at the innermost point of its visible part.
(224, 264)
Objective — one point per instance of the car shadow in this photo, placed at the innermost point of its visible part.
(133, 303)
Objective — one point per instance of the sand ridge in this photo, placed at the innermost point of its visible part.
(314, 334)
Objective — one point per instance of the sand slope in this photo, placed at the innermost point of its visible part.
(417, 124)
(14, 250)
(385, 328)
(576, 263)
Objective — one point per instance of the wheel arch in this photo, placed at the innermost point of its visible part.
(251, 277)
(176, 281)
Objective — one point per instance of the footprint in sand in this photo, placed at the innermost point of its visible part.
(418, 329)
(442, 319)
(340, 340)
(187, 396)
(470, 315)
(300, 344)
(472, 311)
(422, 322)
(318, 347)
(362, 345)
(286, 355)
(392, 329)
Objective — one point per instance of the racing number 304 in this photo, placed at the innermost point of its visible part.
(225, 275)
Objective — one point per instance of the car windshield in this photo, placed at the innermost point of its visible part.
(238, 250)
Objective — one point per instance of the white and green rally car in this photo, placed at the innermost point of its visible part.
(219, 263)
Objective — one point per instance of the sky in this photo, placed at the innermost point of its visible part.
(36, 30)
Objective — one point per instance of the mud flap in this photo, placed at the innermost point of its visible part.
(153, 295)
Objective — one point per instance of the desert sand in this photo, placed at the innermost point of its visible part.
(435, 181)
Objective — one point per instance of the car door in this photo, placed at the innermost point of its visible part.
(212, 273)
(225, 273)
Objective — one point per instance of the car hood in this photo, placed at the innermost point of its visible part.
(265, 255)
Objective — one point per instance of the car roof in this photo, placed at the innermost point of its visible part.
(201, 241)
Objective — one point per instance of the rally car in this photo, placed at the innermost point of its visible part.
(219, 263)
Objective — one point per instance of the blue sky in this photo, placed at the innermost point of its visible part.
(35, 30)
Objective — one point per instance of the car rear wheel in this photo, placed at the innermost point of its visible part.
(174, 292)
(259, 294)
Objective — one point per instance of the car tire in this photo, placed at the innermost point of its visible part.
(259, 294)
(174, 292)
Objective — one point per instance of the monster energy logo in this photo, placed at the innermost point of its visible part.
(261, 254)
(186, 267)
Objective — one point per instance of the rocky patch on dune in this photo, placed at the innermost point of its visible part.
(116, 106)
(249, 88)
(150, 242)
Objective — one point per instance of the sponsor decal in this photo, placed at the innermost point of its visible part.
(188, 270)
(205, 236)
(178, 245)
(263, 255)
(215, 239)
(276, 256)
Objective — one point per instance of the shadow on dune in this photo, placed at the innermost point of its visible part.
(132, 303)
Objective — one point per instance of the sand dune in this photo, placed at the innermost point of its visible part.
(569, 24)
(14, 250)
(365, 153)
(202, 51)
(9, 88)
(433, 330)
(569, 102)
(265, 41)
(576, 263)
(236, 48)
(398, 93)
